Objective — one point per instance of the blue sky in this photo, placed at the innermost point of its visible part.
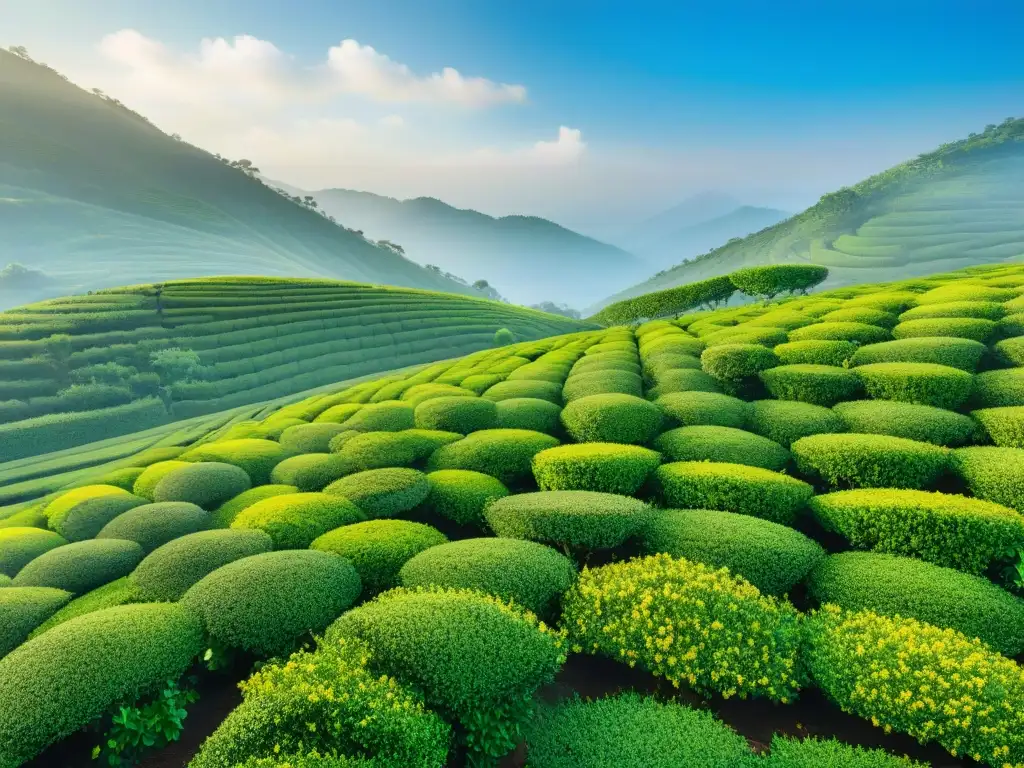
(775, 102)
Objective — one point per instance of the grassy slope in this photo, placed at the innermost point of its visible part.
(954, 207)
(95, 195)
(528, 259)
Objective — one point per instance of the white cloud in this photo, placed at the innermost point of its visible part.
(566, 149)
(392, 121)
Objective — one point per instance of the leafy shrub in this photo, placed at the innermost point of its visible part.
(908, 587)
(630, 731)
(870, 461)
(168, 571)
(145, 484)
(732, 364)
(671, 301)
(121, 478)
(457, 414)
(955, 353)
(61, 506)
(312, 471)
(688, 623)
(481, 382)
(207, 484)
(606, 467)
(257, 457)
(999, 389)
(972, 702)
(382, 492)
(953, 531)
(504, 453)
(152, 525)
(57, 683)
(721, 444)
(991, 473)
(88, 517)
(747, 334)
(702, 408)
(955, 291)
(732, 488)
(914, 422)
(658, 365)
(82, 566)
(294, 520)
(612, 419)
(815, 384)
(264, 603)
(677, 344)
(786, 421)
(920, 383)
(118, 592)
(22, 609)
(226, 513)
(972, 328)
(460, 495)
(571, 520)
(529, 413)
(421, 393)
(552, 373)
(339, 414)
(772, 557)
(602, 362)
(865, 315)
(989, 310)
(517, 390)
(496, 656)
(828, 753)
(859, 333)
(379, 548)
(273, 427)
(21, 545)
(503, 337)
(683, 380)
(815, 352)
(770, 280)
(889, 301)
(310, 438)
(602, 382)
(29, 517)
(376, 450)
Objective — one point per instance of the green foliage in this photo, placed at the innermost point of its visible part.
(921, 383)
(721, 444)
(683, 380)
(118, 592)
(294, 520)
(630, 731)
(673, 301)
(142, 727)
(816, 352)
(606, 467)
(972, 328)
(310, 438)
(772, 557)
(152, 525)
(376, 450)
(265, 603)
(914, 422)
(988, 310)
(688, 623)
(379, 548)
(991, 473)
(999, 389)
(504, 453)
(421, 393)
(382, 492)
(859, 333)
(870, 461)
(312, 471)
(730, 487)
(702, 408)
(769, 281)
(865, 315)
(908, 587)
(64, 504)
(531, 574)
(457, 414)
(460, 495)
(955, 353)
(734, 364)
(529, 413)
(957, 291)
(525, 389)
(574, 521)
(145, 484)
(20, 545)
(786, 421)
(338, 414)
(816, 384)
(868, 663)
(207, 484)
(809, 752)
(62, 680)
(602, 382)
(953, 531)
(495, 657)
(22, 609)
(82, 566)
(121, 478)
(504, 337)
(612, 418)
(226, 513)
(257, 457)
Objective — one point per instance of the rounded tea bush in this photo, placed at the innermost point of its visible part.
(999, 389)
(721, 444)
(953, 531)
(989, 310)
(963, 354)
(377, 450)
(503, 453)
(683, 380)
(386, 416)
(257, 457)
(460, 495)
(152, 525)
(529, 413)
(22, 609)
(86, 518)
(913, 422)
(519, 389)
(21, 545)
(972, 328)
(226, 513)
(732, 488)
(816, 384)
(772, 557)
(870, 461)
(612, 419)
(457, 414)
(570, 520)
(809, 752)
(379, 548)
(382, 492)
(310, 438)
(786, 421)
(920, 383)
(145, 484)
(735, 362)
(908, 587)
(59, 682)
(338, 414)
(815, 352)
(866, 315)
(606, 467)
(118, 592)
(63, 505)
(311, 471)
(264, 603)
(82, 566)
(630, 731)
(596, 363)
(602, 382)
(168, 571)
(991, 473)
(688, 623)
(205, 484)
(530, 574)
(122, 478)
(294, 520)
(479, 383)
(688, 409)
(421, 393)
(859, 333)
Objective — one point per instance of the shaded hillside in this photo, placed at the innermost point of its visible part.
(694, 210)
(959, 205)
(94, 195)
(528, 259)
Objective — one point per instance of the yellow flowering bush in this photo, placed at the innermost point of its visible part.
(688, 623)
(934, 684)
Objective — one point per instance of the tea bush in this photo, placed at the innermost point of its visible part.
(265, 603)
(312, 471)
(338, 414)
(730, 487)
(504, 453)
(293, 520)
(382, 492)
(387, 416)
(815, 352)
(21, 545)
(457, 414)
(786, 421)
(963, 354)
(991, 473)
(377, 450)
(226, 513)
(920, 383)
(529, 413)
(975, 329)
(82, 566)
(206, 484)
(988, 310)
(924, 423)
(809, 752)
(122, 478)
(65, 504)
(702, 408)
(460, 495)
(118, 592)
(999, 389)
(421, 393)
(688, 623)
(606, 467)
(721, 444)
(816, 384)
(731, 363)
(864, 315)
(257, 457)
(683, 380)
(517, 390)
(145, 484)
(602, 382)
(859, 333)
(612, 419)
(310, 438)
(22, 609)
(772, 557)
(870, 461)
(151, 525)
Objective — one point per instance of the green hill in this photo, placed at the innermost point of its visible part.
(954, 207)
(95, 196)
(75, 369)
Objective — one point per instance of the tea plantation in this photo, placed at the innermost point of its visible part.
(782, 535)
